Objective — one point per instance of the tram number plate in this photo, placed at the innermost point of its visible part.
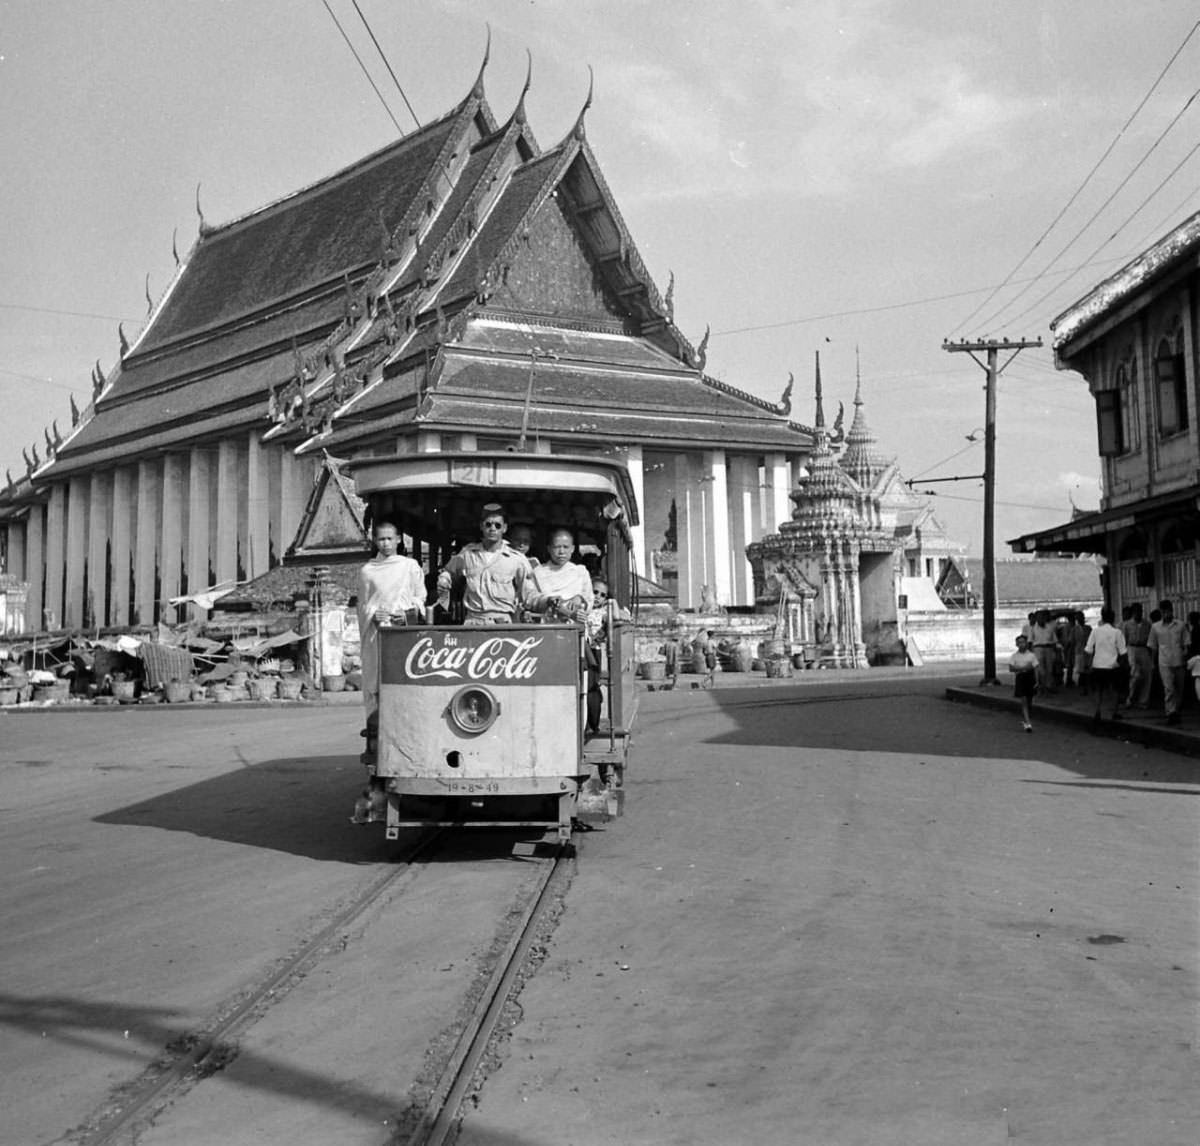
(472, 787)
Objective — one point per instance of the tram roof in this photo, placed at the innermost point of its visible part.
(496, 473)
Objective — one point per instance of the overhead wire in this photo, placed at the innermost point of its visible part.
(386, 63)
(1086, 180)
(987, 323)
(362, 66)
(1136, 211)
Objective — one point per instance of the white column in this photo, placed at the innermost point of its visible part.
(149, 491)
(123, 518)
(171, 533)
(35, 566)
(258, 510)
(295, 484)
(779, 486)
(689, 534)
(743, 496)
(76, 551)
(199, 510)
(56, 539)
(226, 547)
(99, 532)
(637, 478)
(716, 490)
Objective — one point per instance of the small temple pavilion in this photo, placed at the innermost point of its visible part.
(460, 288)
(837, 570)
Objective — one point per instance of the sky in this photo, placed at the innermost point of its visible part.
(853, 177)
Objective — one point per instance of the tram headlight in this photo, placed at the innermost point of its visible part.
(473, 710)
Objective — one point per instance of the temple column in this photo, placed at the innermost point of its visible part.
(56, 527)
(689, 534)
(715, 491)
(174, 506)
(199, 511)
(256, 538)
(123, 518)
(633, 462)
(35, 566)
(226, 541)
(294, 486)
(16, 549)
(96, 605)
(779, 485)
(743, 490)
(145, 572)
(75, 552)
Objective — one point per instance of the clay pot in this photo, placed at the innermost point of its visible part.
(779, 667)
(237, 679)
(221, 694)
(741, 658)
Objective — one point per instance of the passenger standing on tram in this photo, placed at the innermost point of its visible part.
(497, 581)
(561, 578)
(390, 585)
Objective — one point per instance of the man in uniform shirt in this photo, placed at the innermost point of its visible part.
(1168, 642)
(1141, 664)
(497, 580)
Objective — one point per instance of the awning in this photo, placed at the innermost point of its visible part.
(1089, 533)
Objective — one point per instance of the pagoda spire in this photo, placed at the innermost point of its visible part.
(862, 460)
(820, 404)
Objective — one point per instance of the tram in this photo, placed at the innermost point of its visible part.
(487, 725)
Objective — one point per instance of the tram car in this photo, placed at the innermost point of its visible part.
(487, 725)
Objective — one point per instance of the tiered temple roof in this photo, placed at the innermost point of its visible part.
(459, 279)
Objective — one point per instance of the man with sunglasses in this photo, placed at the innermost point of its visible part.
(497, 581)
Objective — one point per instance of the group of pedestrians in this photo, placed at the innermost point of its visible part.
(1116, 664)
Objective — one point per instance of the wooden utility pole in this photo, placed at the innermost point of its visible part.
(993, 346)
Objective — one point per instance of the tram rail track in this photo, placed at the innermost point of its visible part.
(197, 1055)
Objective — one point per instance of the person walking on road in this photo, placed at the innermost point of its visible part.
(1141, 665)
(1168, 643)
(1025, 665)
(1045, 643)
(1107, 647)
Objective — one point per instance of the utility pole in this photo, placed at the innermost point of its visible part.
(993, 346)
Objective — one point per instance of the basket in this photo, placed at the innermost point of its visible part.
(290, 689)
(177, 691)
(654, 670)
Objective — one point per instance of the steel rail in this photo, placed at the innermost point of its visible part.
(152, 1091)
(441, 1113)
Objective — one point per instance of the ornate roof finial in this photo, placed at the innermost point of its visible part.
(149, 300)
(204, 227)
(519, 114)
(30, 466)
(784, 407)
(702, 349)
(175, 245)
(578, 130)
(8, 481)
(124, 340)
(97, 380)
(477, 87)
(669, 301)
(57, 434)
(49, 441)
(820, 405)
(74, 411)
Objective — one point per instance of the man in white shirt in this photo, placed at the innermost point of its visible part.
(1106, 646)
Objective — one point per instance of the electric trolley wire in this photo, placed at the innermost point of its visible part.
(1086, 180)
(987, 322)
(386, 64)
(362, 66)
(937, 465)
(1136, 211)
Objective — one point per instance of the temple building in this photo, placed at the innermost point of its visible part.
(460, 288)
(858, 544)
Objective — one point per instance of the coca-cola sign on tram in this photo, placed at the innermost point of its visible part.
(495, 655)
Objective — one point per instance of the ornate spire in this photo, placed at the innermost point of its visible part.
(477, 87)
(519, 114)
(862, 461)
(820, 417)
(578, 130)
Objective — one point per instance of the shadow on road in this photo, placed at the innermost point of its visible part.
(914, 718)
(301, 807)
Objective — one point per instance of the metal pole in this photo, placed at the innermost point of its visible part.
(989, 525)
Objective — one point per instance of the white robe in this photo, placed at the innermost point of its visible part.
(393, 584)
